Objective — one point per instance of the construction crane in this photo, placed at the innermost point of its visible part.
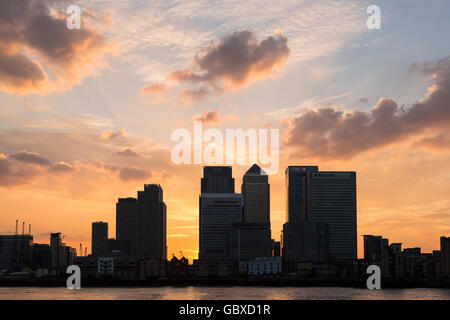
(182, 255)
(81, 249)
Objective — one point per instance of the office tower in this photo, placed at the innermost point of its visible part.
(332, 200)
(217, 212)
(445, 257)
(256, 195)
(250, 241)
(373, 246)
(57, 254)
(151, 222)
(99, 238)
(217, 180)
(297, 189)
(126, 223)
(305, 241)
(15, 252)
(325, 197)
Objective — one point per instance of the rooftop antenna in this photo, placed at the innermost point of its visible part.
(23, 227)
(85, 251)
(81, 249)
(17, 227)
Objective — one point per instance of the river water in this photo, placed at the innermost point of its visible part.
(217, 293)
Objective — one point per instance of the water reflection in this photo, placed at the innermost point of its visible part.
(215, 293)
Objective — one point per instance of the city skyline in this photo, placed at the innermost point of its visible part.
(87, 115)
(215, 188)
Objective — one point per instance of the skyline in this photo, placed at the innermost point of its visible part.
(109, 236)
(86, 115)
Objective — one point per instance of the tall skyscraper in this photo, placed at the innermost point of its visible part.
(333, 201)
(252, 238)
(297, 189)
(99, 238)
(126, 222)
(324, 197)
(217, 212)
(217, 180)
(445, 257)
(256, 195)
(152, 223)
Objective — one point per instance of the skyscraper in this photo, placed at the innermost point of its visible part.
(99, 238)
(151, 222)
(256, 195)
(323, 197)
(297, 189)
(126, 222)
(252, 238)
(217, 212)
(217, 180)
(332, 200)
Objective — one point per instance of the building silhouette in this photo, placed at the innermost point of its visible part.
(250, 241)
(217, 212)
(217, 180)
(373, 247)
(126, 225)
(326, 198)
(445, 257)
(297, 191)
(332, 198)
(15, 252)
(99, 238)
(256, 195)
(151, 223)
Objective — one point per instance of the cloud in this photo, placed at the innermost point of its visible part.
(110, 134)
(209, 116)
(15, 174)
(31, 158)
(235, 61)
(128, 153)
(329, 133)
(33, 33)
(61, 167)
(132, 174)
(438, 142)
(156, 88)
(188, 96)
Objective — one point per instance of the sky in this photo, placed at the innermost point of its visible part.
(86, 115)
